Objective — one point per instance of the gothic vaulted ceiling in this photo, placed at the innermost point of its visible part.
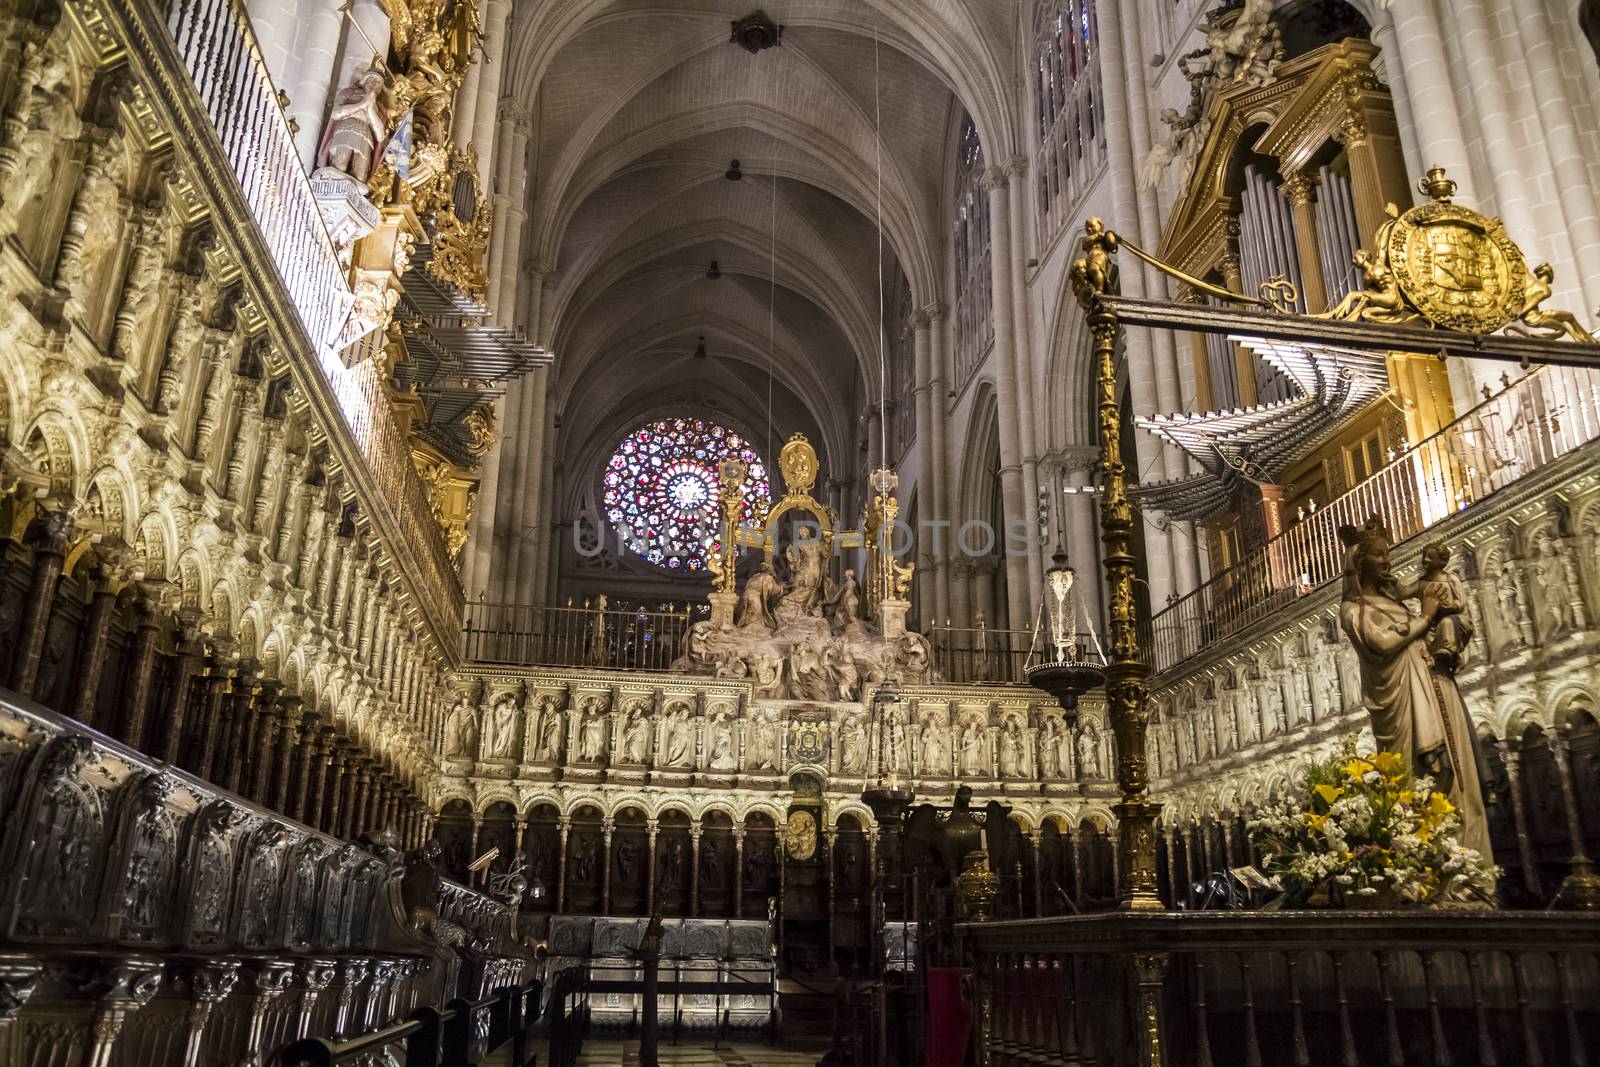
(637, 108)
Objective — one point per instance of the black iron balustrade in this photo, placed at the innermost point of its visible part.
(979, 655)
(1527, 426)
(1291, 989)
(588, 635)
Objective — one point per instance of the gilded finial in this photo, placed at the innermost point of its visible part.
(1436, 185)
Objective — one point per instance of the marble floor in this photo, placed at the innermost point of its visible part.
(601, 1052)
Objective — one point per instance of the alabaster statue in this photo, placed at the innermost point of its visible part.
(1413, 701)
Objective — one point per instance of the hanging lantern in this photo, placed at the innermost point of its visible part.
(1067, 668)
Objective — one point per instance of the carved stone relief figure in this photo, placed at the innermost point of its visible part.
(592, 732)
(550, 729)
(762, 750)
(679, 738)
(972, 749)
(355, 126)
(1011, 750)
(935, 755)
(1050, 748)
(461, 731)
(853, 746)
(720, 749)
(636, 733)
(500, 729)
(1089, 765)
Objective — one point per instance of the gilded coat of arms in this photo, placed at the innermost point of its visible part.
(808, 739)
(1456, 270)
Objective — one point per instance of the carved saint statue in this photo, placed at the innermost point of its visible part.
(592, 736)
(500, 730)
(1011, 750)
(356, 126)
(760, 593)
(762, 747)
(680, 740)
(720, 755)
(1415, 709)
(972, 749)
(1089, 754)
(935, 749)
(550, 730)
(461, 735)
(854, 751)
(636, 734)
(1050, 748)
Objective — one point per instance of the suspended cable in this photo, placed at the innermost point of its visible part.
(883, 329)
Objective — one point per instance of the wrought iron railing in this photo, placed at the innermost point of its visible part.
(1327, 989)
(977, 654)
(587, 635)
(217, 49)
(1536, 420)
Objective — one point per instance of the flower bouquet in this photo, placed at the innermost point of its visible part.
(1364, 831)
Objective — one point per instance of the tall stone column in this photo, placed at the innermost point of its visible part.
(650, 870)
(308, 96)
(268, 726)
(694, 871)
(219, 674)
(738, 872)
(1022, 353)
(185, 693)
(92, 648)
(242, 708)
(321, 767)
(306, 762)
(1013, 505)
(1581, 888)
(141, 665)
(291, 709)
(938, 459)
(493, 65)
(343, 788)
(564, 831)
(50, 535)
(607, 827)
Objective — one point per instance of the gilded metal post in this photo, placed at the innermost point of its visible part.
(1094, 274)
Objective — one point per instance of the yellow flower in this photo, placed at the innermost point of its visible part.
(1315, 821)
(1408, 798)
(1389, 763)
(1328, 793)
(1356, 768)
(1439, 806)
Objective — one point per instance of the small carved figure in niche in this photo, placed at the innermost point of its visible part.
(627, 858)
(500, 729)
(1011, 750)
(672, 863)
(461, 734)
(583, 850)
(761, 592)
(680, 739)
(356, 125)
(592, 734)
(636, 734)
(972, 749)
(1050, 748)
(935, 749)
(550, 735)
(721, 755)
(1089, 753)
(854, 752)
(762, 751)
